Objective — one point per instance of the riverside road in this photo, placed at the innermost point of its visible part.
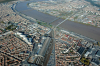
(85, 30)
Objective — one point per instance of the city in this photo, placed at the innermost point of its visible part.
(81, 10)
(27, 41)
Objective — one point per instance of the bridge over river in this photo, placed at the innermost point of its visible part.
(88, 31)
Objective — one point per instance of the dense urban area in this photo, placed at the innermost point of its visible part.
(22, 37)
(78, 10)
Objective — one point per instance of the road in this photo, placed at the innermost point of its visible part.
(78, 10)
(88, 31)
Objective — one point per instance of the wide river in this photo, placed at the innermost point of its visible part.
(88, 31)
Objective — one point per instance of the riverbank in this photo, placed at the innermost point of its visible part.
(83, 12)
(88, 31)
(94, 3)
(3, 1)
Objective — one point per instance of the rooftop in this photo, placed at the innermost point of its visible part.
(81, 50)
(96, 62)
(98, 53)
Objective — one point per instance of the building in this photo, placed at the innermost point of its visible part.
(89, 51)
(98, 53)
(81, 50)
(95, 62)
(43, 53)
(24, 38)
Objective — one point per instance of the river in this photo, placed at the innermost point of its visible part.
(3, 1)
(93, 3)
(88, 31)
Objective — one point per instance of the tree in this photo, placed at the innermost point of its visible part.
(9, 22)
